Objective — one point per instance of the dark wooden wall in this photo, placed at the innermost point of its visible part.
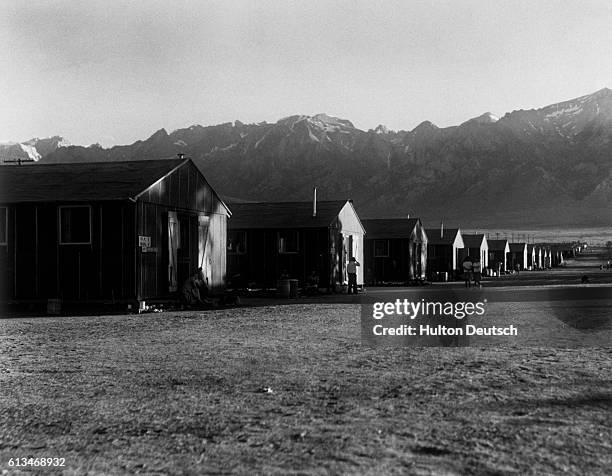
(402, 264)
(396, 267)
(517, 258)
(37, 267)
(441, 260)
(153, 264)
(496, 256)
(262, 263)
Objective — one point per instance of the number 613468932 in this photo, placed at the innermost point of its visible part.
(37, 462)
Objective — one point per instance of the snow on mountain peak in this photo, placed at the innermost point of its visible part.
(564, 109)
(31, 151)
(34, 149)
(330, 123)
(291, 121)
(322, 122)
(486, 118)
(490, 117)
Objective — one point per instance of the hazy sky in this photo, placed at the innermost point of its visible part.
(115, 71)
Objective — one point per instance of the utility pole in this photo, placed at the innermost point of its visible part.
(18, 161)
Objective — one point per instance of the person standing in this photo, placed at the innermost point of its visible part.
(351, 269)
(477, 270)
(467, 271)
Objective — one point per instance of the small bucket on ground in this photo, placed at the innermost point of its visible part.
(284, 288)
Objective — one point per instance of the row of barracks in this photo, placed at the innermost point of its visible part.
(133, 231)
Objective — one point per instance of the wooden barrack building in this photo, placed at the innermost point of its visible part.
(444, 249)
(267, 240)
(108, 231)
(395, 250)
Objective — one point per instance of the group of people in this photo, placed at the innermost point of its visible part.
(472, 271)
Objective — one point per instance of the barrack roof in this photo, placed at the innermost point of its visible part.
(82, 181)
(284, 214)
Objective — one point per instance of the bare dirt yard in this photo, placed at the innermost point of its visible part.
(291, 389)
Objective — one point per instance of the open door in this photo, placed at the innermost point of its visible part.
(204, 251)
(187, 246)
(347, 254)
(173, 240)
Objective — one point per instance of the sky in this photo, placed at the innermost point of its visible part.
(113, 72)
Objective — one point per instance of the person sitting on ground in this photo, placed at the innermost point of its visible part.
(467, 271)
(191, 291)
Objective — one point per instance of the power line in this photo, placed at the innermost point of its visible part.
(18, 161)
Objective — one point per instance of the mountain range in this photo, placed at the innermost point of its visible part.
(539, 167)
(33, 149)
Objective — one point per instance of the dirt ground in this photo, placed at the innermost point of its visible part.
(291, 390)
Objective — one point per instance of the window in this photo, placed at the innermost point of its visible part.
(381, 248)
(236, 242)
(75, 225)
(288, 241)
(3, 224)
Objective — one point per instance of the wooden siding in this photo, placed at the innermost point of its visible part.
(214, 260)
(153, 264)
(185, 189)
(325, 249)
(348, 225)
(38, 267)
(407, 261)
(262, 263)
(442, 258)
(348, 221)
(518, 256)
(203, 223)
(112, 267)
(392, 268)
(498, 260)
